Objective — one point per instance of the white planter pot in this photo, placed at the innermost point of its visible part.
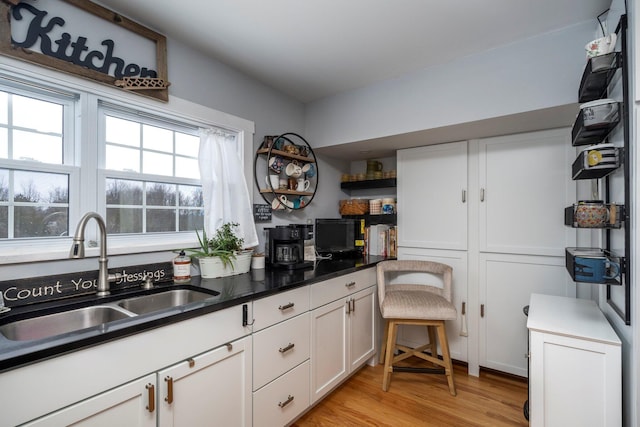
(212, 267)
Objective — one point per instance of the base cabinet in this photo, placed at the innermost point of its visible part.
(214, 387)
(342, 339)
(575, 362)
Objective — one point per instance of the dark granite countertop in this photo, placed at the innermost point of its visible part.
(233, 290)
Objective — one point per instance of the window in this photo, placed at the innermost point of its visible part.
(34, 181)
(151, 173)
(68, 147)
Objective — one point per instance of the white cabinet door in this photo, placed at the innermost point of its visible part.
(432, 194)
(362, 344)
(213, 388)
(329, 335)
(524, 185)
(414, 336)
(127, 405)
(506, 285)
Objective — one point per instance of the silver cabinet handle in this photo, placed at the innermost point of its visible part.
(348, 302)
(286, 402)
(286, 306)
(287, 348)
(353, 305)
(350, 284)
(482, 194)
(464, 196)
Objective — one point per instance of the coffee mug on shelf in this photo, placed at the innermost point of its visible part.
(277, 205)
(302, 184)
(278, 143)
(293, 170)
(595, 270)
(292, 184)
(285, 201)
(601, 46)
(309, 170)
(276, 163)
(273, 181)
(283, 183)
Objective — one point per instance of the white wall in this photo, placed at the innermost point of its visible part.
(533, 74)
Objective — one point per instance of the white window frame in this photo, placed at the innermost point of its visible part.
(88, 174)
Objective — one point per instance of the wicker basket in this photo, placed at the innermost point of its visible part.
(354, 207)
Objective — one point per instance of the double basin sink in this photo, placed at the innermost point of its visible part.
(48, 325)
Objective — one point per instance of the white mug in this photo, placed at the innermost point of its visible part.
(303, 184)
(272, 181)
(293, 170)
(286, 202)
(276, 204)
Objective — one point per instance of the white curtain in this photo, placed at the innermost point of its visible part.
(224, 188)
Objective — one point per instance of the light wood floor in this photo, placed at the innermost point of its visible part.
(422, 400)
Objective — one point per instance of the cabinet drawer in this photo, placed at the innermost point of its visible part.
(330, 290)
(284, 399)
(276, 308)
(279, 348)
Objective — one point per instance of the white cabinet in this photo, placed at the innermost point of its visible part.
(432, 196)
(90, 380)
(342, 329)
(507, 282)
(475, 206)
(575, 360)
(524, 185)
(214, 387)
(281, 348)
(132, 404)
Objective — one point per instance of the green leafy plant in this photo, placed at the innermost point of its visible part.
(224, 244)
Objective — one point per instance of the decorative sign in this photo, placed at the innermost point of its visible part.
(82, 38)
(261, 213)
(49, 288)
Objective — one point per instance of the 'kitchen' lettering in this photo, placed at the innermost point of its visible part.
(73, 51)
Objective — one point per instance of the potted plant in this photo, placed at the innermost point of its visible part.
(222, 255)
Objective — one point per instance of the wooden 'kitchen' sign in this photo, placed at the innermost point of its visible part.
(82, 38)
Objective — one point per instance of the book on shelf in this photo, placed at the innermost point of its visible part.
(381, 239)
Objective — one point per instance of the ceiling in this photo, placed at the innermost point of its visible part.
(311, 49)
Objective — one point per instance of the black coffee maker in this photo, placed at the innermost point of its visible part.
(285, 246)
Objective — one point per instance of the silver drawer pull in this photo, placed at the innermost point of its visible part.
(350, 284)
(287, 348)
(286, 402)
(286, 306)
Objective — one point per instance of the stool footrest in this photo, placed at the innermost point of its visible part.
(418, 370)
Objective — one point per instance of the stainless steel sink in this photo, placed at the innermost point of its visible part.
(163, 300)
(60, 323)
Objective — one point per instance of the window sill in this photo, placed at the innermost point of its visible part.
(23, 252)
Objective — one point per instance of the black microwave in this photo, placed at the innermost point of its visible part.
(339, 236)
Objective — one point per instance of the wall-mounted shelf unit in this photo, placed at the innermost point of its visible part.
(593, 126)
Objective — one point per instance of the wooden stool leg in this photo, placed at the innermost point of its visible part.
(446, 356)
(388, 359)
(433, 344)
(383, 345)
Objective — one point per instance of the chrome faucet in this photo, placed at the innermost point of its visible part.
(77, 251)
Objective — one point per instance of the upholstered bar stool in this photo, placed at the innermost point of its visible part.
(412, 303)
